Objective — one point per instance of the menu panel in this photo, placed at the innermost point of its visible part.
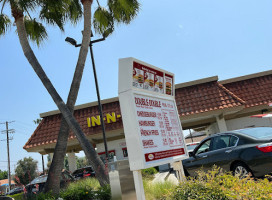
(151, 79)
(168, 84)
(160, 132)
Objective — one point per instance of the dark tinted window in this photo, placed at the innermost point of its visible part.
(220, 142)
(205, 147)
(259, 132)
(233, 141)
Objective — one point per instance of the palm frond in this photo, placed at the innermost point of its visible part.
(103, 21)
(54, 12)
(35, 30)
(74, 11)
(3, 5)
(5, 24)
(27, 4)
(57, 12)
(124, 10)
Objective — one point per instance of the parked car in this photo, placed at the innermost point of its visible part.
(245, 151)
(191, 146)
(37, 184)
(15, 191)
(83, 172)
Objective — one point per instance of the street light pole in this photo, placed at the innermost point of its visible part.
(98, 99)
(74, 43)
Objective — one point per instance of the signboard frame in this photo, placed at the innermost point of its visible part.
(127, 93)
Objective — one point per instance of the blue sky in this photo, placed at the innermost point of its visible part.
(193, 39)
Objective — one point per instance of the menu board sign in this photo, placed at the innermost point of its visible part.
(151, 122)
(160, 131)
(150, 79)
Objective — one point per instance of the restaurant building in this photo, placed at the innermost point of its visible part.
(207, 105)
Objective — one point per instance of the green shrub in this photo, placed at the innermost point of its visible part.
(19, 196)
(149, 172)
(40, 196)
(86, 189)
(103, 193)
(218, 185)
(199, 191)
(158, 190)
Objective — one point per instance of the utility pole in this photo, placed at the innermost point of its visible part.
(7, 132)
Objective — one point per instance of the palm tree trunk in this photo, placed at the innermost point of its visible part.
(90, 152)
(53, 181)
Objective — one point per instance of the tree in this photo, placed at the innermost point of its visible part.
(26, 171)
(81, 162)
(3, 174)
(119, 11)
(56, 13)
(37, 121)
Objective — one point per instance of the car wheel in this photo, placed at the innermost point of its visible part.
(241, 170)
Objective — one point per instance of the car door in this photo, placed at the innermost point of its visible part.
(200, 159)
(221, 150)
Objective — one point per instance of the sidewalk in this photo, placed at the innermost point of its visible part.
(165, 176)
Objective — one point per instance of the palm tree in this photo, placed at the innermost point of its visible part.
(53, 181)
(56, 12)
(103, 24)
(18, 14)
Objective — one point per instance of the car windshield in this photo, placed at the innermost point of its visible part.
(40, 179)
(259, 132)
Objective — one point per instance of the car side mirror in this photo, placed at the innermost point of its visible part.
(191, 154)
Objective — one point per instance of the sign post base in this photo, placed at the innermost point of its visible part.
(177, 166)
(138, 181)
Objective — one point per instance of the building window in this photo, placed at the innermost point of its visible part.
(125, 154)
(103, 155)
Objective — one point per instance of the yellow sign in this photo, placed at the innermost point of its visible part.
(95, 120)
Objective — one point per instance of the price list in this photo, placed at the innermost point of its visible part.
(160, 132)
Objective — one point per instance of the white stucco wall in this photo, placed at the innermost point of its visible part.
(238, 123)
(245, 122)
(212, 129)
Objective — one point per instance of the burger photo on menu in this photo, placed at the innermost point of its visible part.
(151, 82)
(160, 85)
(140, 78)
(168, 88)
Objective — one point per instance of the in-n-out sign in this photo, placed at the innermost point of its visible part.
(151, 122)
(96, 120)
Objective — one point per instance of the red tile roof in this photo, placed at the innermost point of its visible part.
(205, 97)
(254, 91)
(47, 131)
(192, 98)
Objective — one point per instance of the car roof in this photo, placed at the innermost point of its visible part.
(236, 132)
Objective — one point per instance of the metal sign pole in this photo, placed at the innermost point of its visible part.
(99, 105)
